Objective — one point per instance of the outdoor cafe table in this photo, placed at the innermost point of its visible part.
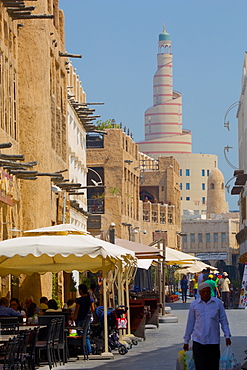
(31, 326)
(5, 338)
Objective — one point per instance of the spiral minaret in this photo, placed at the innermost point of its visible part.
(163, 121)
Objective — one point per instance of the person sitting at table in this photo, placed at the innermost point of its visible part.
(15, 304)
(52, 306)
(5, 310)
(28, 301)
(43, 306)
(31, 311)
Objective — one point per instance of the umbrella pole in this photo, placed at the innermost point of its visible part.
(120, 295)
(164, 277)
(128, 303)
(106, 353)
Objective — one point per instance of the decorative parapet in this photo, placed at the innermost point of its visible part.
(158, 213)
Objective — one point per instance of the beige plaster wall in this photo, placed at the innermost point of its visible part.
(229, 226)
(125, 206)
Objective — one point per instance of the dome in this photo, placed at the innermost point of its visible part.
(215, 175)
(164, 36)
(216, 201)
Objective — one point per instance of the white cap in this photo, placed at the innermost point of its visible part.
(203, 286)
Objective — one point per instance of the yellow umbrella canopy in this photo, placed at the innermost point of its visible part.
(54, 249)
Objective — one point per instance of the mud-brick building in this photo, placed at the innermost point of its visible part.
(33, 112)
(9, 186)
(139, 195)
(42, 106)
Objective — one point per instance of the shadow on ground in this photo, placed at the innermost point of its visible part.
(163, 358)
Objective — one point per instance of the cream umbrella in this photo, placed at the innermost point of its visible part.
(58, 248)
(197, 266)
(61, 248)
(57, 253)
(175, 257)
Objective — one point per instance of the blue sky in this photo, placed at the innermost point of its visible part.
(118, 41)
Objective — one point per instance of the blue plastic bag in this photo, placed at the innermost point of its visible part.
(228, 360)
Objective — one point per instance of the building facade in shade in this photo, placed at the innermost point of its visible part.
(140, 195)
(240, 187)
(165, 136)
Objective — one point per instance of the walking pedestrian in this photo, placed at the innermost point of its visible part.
(184, 287)
(206, 314)
(225, 284)
(201, 276)
(214, 289)
(195, 285)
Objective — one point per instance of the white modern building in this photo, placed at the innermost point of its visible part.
(77, 152)
(165, 136)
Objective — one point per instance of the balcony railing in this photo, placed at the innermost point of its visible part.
(96, 206)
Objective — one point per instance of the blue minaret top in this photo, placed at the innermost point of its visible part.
(164, 35)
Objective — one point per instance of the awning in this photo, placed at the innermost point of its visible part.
(142, 251)
(195, 267)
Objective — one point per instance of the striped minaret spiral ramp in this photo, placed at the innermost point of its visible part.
(164, 133)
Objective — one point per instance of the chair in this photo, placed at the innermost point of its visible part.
(9, 324)
(62, 344)
(30, 356)
(9, 358)
(56, 338)
(80, 340)
(22, 354)
(47, 345)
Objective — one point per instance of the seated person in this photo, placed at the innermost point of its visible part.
(28, 301)
(5, 310)
(15, 304)
(52, 306)
(43, 306)
(31, 311)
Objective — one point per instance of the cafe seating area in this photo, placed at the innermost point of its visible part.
(24, 346)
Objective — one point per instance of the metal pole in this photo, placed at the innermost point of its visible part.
(112, 235)
(105, 307)
(159, 282)
(164, 276)
(64, 208)
(120, 287)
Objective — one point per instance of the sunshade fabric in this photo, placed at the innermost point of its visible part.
(197, 266)
(142, 251)
(178, 257)
(62, 229)
(66, 252)
(144, 263)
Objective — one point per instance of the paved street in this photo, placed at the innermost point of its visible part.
(160, 349)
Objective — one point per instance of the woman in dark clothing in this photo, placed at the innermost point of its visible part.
(184, 287)
(31, 310)
(84, 304)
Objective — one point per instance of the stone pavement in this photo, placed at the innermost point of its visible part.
(159, 350)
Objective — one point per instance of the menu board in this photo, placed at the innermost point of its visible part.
(243, 291)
